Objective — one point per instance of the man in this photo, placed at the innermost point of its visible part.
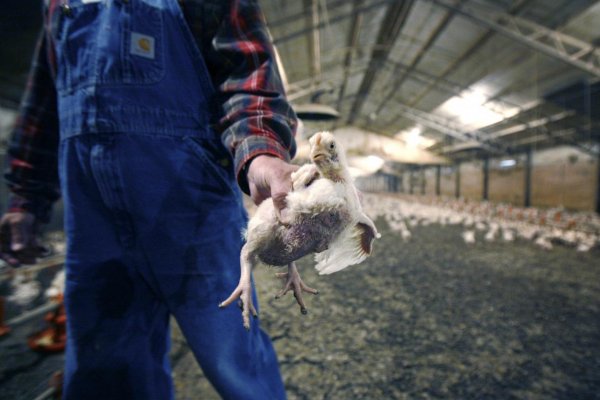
(157, 111)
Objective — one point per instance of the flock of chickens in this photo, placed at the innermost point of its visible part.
(487, 221)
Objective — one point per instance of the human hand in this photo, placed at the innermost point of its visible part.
(18, 238)
(270, 176)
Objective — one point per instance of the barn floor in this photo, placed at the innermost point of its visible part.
(432, 317)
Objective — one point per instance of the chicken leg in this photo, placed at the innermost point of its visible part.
(295, 284)
(243, 291)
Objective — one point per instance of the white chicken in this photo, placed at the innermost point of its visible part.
(469, 236)
(323, 216)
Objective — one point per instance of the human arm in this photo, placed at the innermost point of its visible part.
(256, 122)
(31, 166)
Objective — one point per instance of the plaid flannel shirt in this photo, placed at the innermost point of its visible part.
(251, 113)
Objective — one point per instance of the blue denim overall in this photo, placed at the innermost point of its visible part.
(153, 214)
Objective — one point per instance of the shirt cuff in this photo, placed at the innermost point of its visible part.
(40, 208)
(252, 147)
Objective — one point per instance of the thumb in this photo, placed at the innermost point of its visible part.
(280, 186)
(279, 200)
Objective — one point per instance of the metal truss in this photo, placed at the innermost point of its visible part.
(455, 89)
(569, 49)
(569, 137)
(539, 124)
(391, 26)
(451, 128)
(329, 79)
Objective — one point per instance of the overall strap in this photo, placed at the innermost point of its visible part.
(52, 7)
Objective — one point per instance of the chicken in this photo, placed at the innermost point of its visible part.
(323, 216)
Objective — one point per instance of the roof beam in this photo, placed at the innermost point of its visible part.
(314, 38)
(573, 51)
(329, 78)
(391, 26)
(517, 7)
(400, 78)
(443, 85)
(334, 20)
(352, 44)
(567, 137)
(539, 124)
(284, 21)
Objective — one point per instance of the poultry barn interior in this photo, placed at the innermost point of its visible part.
(472, 129)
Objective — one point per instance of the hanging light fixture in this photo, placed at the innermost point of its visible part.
(316, 112)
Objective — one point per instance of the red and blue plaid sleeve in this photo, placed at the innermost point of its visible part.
(31, 173)
(252, 112)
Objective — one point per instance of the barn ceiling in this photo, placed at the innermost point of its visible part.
(462, 78)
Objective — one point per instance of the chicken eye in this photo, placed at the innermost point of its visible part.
(331, 146)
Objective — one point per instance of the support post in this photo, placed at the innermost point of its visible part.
(528, 166)
(422, 181)
(402, 182)
(486, 178)
(411, 181)
(457, 182)
(438, 175)
(598, 184)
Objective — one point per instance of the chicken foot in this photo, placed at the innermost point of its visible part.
(243, 291)
(295, 284)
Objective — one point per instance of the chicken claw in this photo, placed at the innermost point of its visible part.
(243, 291)
(244, 294)
(295, 284)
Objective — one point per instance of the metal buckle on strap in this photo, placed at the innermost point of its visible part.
(65, 8)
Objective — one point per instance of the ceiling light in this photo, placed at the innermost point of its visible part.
(361, 166)
(413, 137)
(473, 109)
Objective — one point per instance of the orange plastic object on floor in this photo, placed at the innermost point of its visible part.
(4, 329)
(54, 338)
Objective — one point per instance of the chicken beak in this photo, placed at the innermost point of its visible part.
(318, 157)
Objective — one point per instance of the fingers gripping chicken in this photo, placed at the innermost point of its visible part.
(324, 216)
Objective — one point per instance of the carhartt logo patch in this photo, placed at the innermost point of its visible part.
(142, 45)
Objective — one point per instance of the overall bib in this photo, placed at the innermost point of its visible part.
(153, 214)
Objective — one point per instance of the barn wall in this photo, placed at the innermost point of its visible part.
(418, 177)
(471, 180)
(560, 177)
(566, 177)
(430, 181)
(448, 181)
(507, 184)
